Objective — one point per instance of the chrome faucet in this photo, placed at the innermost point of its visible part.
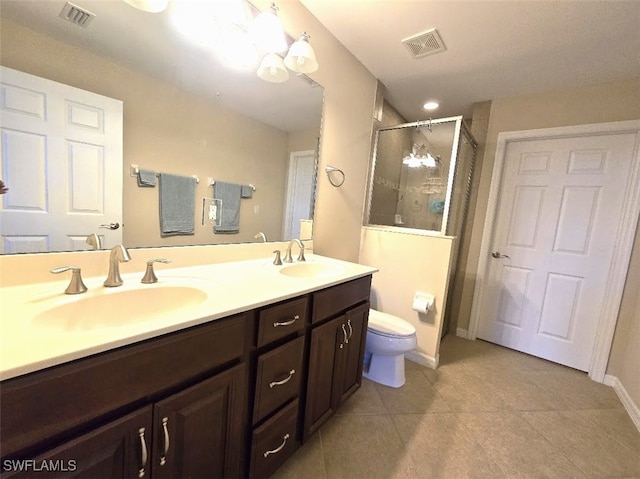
(262, 236)
(76, 286)
(119, 254)
(287, 257)
(94, 240)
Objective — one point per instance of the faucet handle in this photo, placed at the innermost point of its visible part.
(76, 286)
(150, 275)
(301, 255)
(277, 261)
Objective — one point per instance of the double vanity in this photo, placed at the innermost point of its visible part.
(221, 370)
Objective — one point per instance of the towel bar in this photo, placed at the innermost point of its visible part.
(135, 169)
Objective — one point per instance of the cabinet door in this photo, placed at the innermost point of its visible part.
(324, 345)
(349, 377)
(198, 432)
(119, 449)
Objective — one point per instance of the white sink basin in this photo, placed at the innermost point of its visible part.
(311, 270)
(109, 308)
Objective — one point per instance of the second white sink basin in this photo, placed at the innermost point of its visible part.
(109, 308)
(311, 270)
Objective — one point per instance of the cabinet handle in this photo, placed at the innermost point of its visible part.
(143, 452)
(284, 381)
(287, 323)
(350, 329)
(344, 332)
(279, 448)
(163, 458)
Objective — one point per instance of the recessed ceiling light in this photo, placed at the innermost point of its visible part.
(431, 105)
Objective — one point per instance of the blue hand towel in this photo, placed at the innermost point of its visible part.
(146, 178)
(177, 204)
(229, 196)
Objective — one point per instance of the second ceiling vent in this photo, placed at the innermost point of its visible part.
(423, 44)
(76, 15)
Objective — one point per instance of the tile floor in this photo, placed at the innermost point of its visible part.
(486, 412)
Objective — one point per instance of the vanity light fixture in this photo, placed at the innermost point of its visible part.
(272, 69)
(151, 6)
(267, 33)
(301, 57)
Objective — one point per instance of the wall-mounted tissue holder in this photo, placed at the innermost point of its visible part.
(423, 302)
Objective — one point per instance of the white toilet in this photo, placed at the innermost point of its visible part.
(388, 338)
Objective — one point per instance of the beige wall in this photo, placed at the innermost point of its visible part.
(350, 91)
(168, 130)
(624, 361)
(408, 263)
(613, 101)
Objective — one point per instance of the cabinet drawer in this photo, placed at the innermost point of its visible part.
(274, 442)
(337, 299)
(278, 378)
(279, 321)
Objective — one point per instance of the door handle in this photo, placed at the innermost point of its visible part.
(497, 254)
(111, 226)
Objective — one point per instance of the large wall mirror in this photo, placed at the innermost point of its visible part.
(185, 112)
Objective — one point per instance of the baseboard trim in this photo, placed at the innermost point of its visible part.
(462, 333)
(629, 405)
(423, 359)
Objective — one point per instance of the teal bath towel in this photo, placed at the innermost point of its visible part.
(229, 195)
(177, 205)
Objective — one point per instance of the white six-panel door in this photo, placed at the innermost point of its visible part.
(61, 150)
(557, 217)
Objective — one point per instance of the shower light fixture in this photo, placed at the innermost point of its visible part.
(415, 160)
(431, 105)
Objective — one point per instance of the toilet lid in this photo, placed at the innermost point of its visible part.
(389, 325)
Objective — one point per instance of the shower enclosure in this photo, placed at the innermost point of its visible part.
(421, 176)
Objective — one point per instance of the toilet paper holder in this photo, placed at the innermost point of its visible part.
(423, 302)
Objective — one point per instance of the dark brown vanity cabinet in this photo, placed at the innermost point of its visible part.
(188, 434)
(165, 408)
(336, 350)
(231, 398)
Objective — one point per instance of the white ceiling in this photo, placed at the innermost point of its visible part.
(494, 49)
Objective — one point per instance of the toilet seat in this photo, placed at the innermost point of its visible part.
(389, 326)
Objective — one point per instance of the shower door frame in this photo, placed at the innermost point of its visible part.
(450, 179)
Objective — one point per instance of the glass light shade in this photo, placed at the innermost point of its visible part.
(301, 57)
(267, 33)
(151, 6)
(238, 48)
(272, 69)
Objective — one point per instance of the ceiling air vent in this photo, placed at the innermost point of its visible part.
(426, 43)
(76, 15)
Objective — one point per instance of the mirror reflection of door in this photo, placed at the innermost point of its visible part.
(299, 199)
(61, 155)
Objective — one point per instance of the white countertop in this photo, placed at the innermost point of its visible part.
(31, 338)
